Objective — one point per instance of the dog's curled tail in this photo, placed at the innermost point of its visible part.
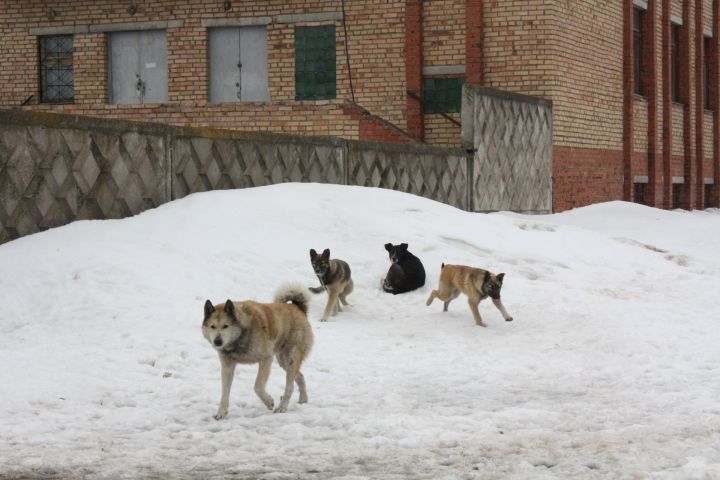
(295, 294)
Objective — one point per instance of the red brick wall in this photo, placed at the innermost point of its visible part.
(582, 176)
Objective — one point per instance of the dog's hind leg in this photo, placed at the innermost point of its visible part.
(444, 293)
(346, 291)
(227, 371)
(473, 302)
(300, 380)
(453, 296)
(501, 307)
(261, 381)
(291, 363)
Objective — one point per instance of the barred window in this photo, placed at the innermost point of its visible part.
(315, 63)
(56, 69)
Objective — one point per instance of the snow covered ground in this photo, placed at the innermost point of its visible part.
(611, 368)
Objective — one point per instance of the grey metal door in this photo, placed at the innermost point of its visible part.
(238, 64)
(153, 66)
(138, 66)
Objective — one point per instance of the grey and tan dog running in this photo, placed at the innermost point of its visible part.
(251, 332)
(476, 283)
(334, 276)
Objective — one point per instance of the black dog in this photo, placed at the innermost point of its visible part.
(406, 272)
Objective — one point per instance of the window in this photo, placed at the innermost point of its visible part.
(638, 57)
(677, 189)
(640, 193)
(138, 66)
(709, 200)
(238, 64)
(708, 73)
(675, 52)
(56, 69)
(442, 95)
(315, 63)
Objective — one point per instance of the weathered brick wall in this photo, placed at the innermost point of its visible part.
(375, 47)
(444, 30)
(518, 46)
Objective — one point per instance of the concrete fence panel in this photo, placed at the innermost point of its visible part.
(207, 163)
(511, 136)
(436, 173)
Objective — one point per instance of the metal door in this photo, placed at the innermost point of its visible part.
(153, 66)
(238, 64)
(138, 67)
(253, 58)
(224, 46)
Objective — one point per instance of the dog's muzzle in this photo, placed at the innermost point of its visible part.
(218, 342)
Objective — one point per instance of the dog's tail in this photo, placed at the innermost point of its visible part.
(319, 289)
(295, 294)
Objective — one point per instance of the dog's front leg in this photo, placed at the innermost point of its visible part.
(227, 372)
(473, 302)
(501, 307)
(331, 304)
(261, 381)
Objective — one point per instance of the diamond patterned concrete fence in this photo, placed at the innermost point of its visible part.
(512, 138)
(58, 168)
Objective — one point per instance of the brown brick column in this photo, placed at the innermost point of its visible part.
(473, 41)
(667, 105)
(654, 160)
(699, 104)
(716, 101)
(688, 196)
(628, 89)
(413, 67)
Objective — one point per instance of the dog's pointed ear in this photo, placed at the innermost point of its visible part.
(500, 277)
(486, 278)
(442, 265)
(388, 247)
(403, 246)
(326, 253)
(313, 253)
(209, 309)
(230, 308)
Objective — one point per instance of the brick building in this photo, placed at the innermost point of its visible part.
(633, 82)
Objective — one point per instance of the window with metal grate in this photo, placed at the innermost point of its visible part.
(315, 70)
(56, 69)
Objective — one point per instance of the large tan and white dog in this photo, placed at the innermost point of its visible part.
(476, 283)
(251, 332)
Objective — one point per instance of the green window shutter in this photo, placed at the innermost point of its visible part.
(442, 95)
(315, 63)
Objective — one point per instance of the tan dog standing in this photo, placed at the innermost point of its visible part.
(476, 283)
(251, 332)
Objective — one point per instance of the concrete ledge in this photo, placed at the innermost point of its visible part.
(676, 180)
(65, 30)
(131, 26)
(641, 179)
(444, 70)
(518, 97)
(235, 22)
(309, 17)
(640, 4)
(709, 181)
(675, 19)
(708, 32)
